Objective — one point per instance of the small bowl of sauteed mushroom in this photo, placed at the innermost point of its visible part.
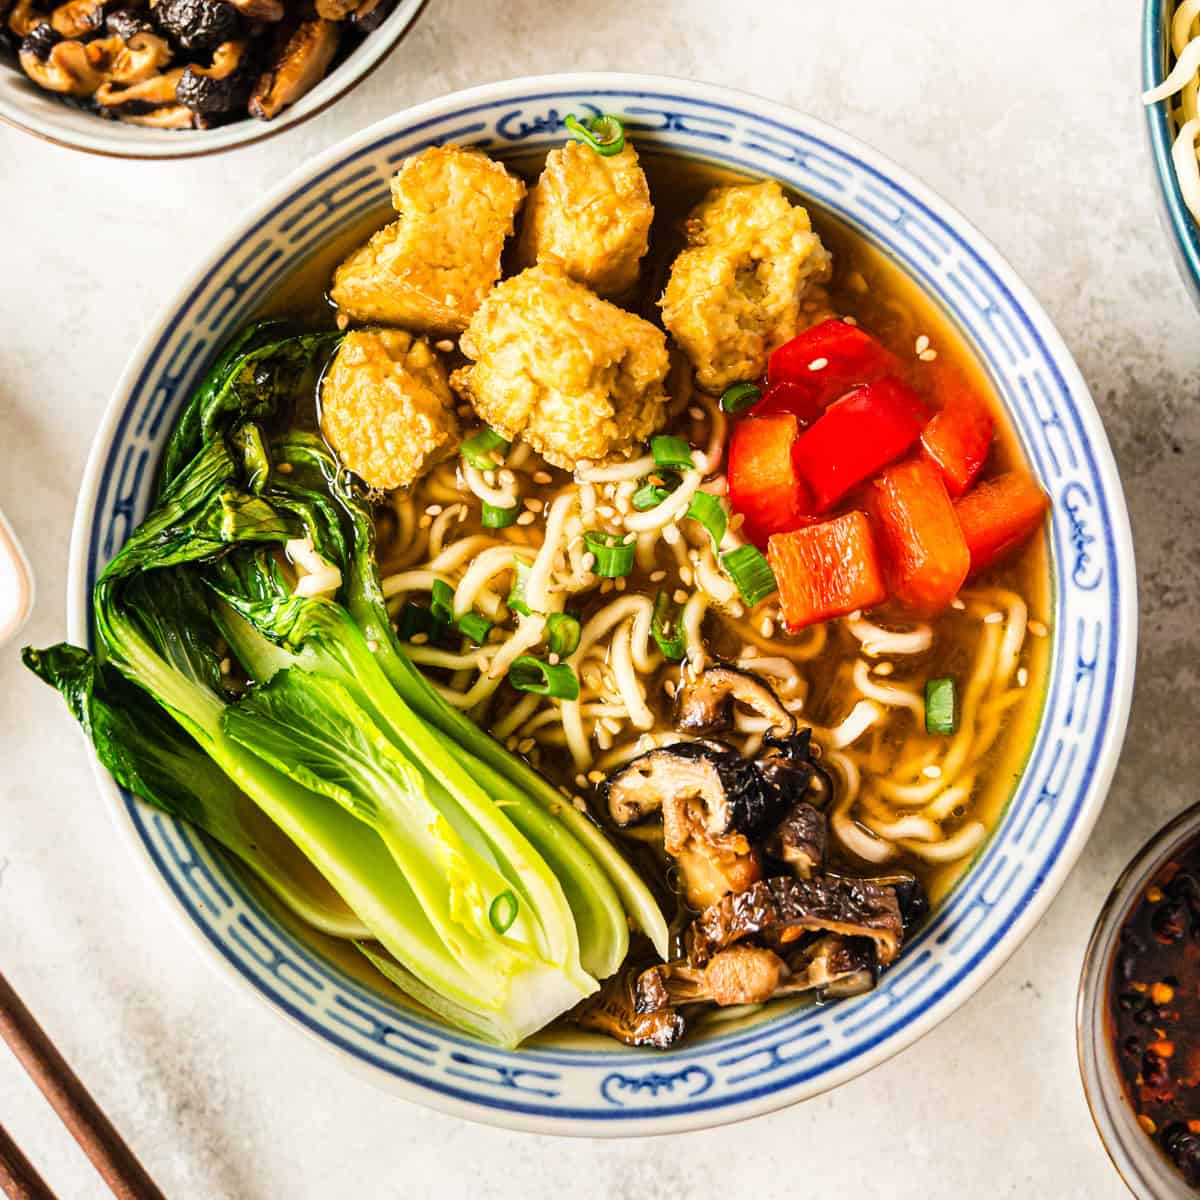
(177, 78)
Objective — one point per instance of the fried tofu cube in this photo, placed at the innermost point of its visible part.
(573, 375)
(430, 270)
(736, 291)
(591, 216)
(386, 407)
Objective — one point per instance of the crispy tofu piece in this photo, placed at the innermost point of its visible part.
(591, 216)
(386, 407)
(431, 269)
(573, 375)
(736, 291)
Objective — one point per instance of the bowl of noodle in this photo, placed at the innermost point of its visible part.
(1171, 78)
(960, 749)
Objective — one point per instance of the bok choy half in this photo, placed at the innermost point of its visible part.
(465, 877)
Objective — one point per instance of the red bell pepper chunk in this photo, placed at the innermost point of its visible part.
(999, 515)
(826, 361)
(926, 557)
(764, 485)
(787, 397)
(857, 437)
(959, 436)
(826, 570)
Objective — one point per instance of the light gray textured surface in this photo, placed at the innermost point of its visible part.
(1025, 117)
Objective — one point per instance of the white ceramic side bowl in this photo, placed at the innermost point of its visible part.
(595, 1087)
(27, 107)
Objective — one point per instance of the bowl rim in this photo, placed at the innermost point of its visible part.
(1105, 755)
(1181, 226)
(1139, 1162)
(247, 131)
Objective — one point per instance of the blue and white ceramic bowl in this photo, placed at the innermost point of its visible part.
(596, 1087)
(1181, 227)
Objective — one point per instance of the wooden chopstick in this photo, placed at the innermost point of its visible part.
(125, 1176)
(19, 1179)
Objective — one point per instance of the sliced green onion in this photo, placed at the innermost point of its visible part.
(613, 555)
(751, 573)
(475, 626)
(739, 397)
(499, 518)
(415, 619)
(671, 453)
(666, 627)
(941, 706)
(516, 597)
(502, 912)
(605, 133)
(441, 602)
(562, 634)
(529, 674)
(654, 490)
(709, 511)
(480, 449)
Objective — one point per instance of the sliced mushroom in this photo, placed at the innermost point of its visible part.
(150, 102)
(68, 68)
(223, 87)
(23, 19)
(198, 25)
(137, 59)
(370, 14)
(301, 59)
(789, 908)
(78, 18)
(800, 840)
(833, 967)
(612, 1010)
(266, 11)
(126, 23)
(335, 10)
(910, 895)
(704, 703)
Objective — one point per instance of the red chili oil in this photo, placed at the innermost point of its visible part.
(1154, 1010)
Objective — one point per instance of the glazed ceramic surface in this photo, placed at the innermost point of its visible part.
(594, 1087)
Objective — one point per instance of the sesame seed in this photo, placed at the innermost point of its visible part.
(696, 413)
(928, 355)
(588, 561)
(685, 574)
(1037, 628)
(848, 320)
(595, 776)
(579, 804)
(284, 468)
(669, 687)
(581, 780)
(511, 743)
(526, 744)
(489, 477)
(372, 645)
(226, 666)
(767, 627)
(958, 604)
(603, 737)
(737, 611)
(680, 596)
(445, 345)
(620, 584)
(425, 521)
(534, 504)
(526, 518)
(507, 478)
(553, 659)
(543, 477)
(657, 576)
(932, 772)
(922, 344)
(884, 669)
(419, 639)
(434, 509)
(818, 364)
(1022, 676)
(606, 586)
(670, 534)
(607, 511)
(737, 521)
(993, 618)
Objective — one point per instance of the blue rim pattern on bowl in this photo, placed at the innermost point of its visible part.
(787, 1055)
(1182, 228)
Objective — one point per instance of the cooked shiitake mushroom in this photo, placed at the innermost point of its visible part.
(221, 88)
(302, 56)
(197, 25)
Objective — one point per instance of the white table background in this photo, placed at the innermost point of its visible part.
(1025, 116)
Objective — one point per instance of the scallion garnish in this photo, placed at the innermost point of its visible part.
(666, 628)
(613, 555)
(654, 489)
(441, 602)
(605, 133)
(751, 573)
(516, 596)
(529, 674)
(739, 397)
(415, 619)
(562, 634)
(495, 517)
(671, 453)
(709, 512)
(941, 706)
(475, 626)
(480, 450)
(502, 911)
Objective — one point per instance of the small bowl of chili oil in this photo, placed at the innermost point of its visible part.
(1138, 1016)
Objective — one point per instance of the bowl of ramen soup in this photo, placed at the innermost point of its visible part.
(1137, 1021)
(605, 602)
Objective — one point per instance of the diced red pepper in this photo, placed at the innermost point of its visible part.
(959, 436)
(826, 361)
(857, 437)
(826, 570)
(999, 515)
(764, 485)
(788, 397)
(925, 554)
